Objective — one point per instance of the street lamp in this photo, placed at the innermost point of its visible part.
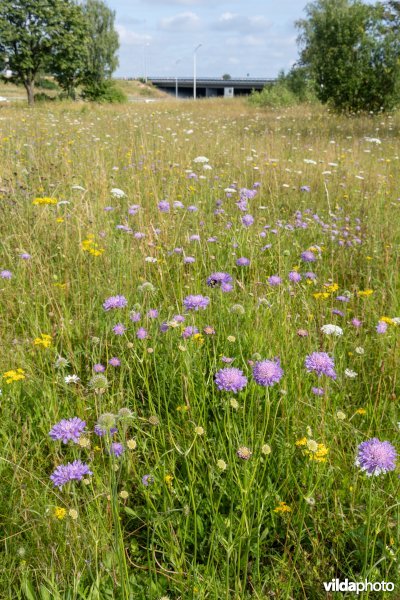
(194, 70)
(145, 60)
(176, 79)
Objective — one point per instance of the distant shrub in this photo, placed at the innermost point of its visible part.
(105, 92)
(42, 97)
(274, 95)
(46, 84)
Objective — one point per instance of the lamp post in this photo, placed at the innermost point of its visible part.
(145, 60)
(176, 79)
(194, 71)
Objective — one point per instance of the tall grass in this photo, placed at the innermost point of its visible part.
(207, 523)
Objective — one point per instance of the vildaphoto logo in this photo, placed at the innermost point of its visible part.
(358, 586)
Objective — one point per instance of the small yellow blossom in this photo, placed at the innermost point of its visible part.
(37, 201)
(14, 375)
(321, 295)
(91, 246)
(332, 288)
(221, 464)
(131, 444)
(361, 411)
(44, 340)
(266, 449)
(73, 514)
(231, 338)
(124, 494)
(182, 408)
(168, 480)
(59, 512)
(199, 430)
(364, 293)
(84, 442)
(198, 338)
(387, 320)
(302, 442)
(282, 508)
(234, 403)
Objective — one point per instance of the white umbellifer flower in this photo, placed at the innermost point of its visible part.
(350, 374)
(201, 159)
(150, 259)
(396, 320)
(229, 190)
(71, 379)
(359, 350)
(117, 193)
(373, 140)
(330, 329)
(207, 167)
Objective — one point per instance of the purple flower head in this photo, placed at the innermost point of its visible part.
(119, 329)
(381, 327)
(147, 480)
(376, 457)
(163, 206)
(5, 274)
(141, 333)
(230, 380)
(308, 256)
(189, 331)
(115, 302)
(116, 449)
(247, 220)
(99, 368)
(65, 473)
(101, 431)
(305, 188)
(294, 276)
(135, 316)
(337, 312)
(310, 275)
(196, 302)
(114, 362)
(342, 298)
(356, 323)
(178, 204)
(179, 318)
(226, 287)
(317, 391)
(68, 429)
(227, 359)
(164, 327)
(194, 238)
(25, 256)
(242, 262)
(218, 278)
(188, 260)
(274, 280)
(267, 372)
(152, 313)
(321, 364)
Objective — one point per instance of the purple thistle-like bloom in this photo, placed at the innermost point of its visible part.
(218, 278)
(5, 274)
(247, 220)
(163, 206)
(310, 275)
(135, 316)
(317, 391)
(381, 327)
(119, 329)
(267, 372)
(376, 457)
(99, 368)
(356, 323)
(68, 429)
(242, 262)
(188, 260)
(321, 364)
(230, 380)
(114, 362)
(115, 302)
(189, 331)
(308, 256)
(226, 287)
(152, 313)
(337, 312)
(343, 298)
(294, 276)
(196, 302)
(147, 480)
(100, 431)
(141, 333)
(274, 280)
(116, 449)
(25, 256)
(164, 327)
(305, 188)
(65, 473)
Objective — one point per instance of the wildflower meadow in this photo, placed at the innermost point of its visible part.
(200, 319)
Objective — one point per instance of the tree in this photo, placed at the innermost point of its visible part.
(351, 53)
(226, 77)
(35, 34)
(103, 45)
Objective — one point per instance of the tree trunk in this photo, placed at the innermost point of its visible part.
(30, 86)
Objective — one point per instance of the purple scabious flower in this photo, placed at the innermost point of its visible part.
(5, 274)
(164, 327)
(196, 302)
(242, 262)
(99, 368)
(342, 298)
(163, 206)
(147, 480)
(188, 260)
(274, 280)
(114, 362)
(119, 329)
(381, 327)
(25, 256)
(65, 473)
(135, 316)
(308, 256)
(218, 278)
(68, 429)
(116, 449)
(226, 287)
(152, 313)
(189, 331)
(101, 431)
(376, 457)
(115, 302)
(321, 364)
(178, 318)
(310, 275)
(247, 220)
(294, 276)
(356, 323)
(267, 372)
(305, 188)
(317, 391)
(141, 333)
(230, 380)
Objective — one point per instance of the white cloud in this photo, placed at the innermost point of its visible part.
(186, 21)
(243, 24)
(131, 38)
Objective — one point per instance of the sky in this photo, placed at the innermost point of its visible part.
(254, 38)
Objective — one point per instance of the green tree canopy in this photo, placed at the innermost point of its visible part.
(351, 53)
(103, 44)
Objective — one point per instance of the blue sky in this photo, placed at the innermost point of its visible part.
(240, 37)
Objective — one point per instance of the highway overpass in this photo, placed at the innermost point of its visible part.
(209, 87)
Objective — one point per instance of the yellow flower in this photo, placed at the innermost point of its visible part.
(332, 288)
(60, 220)
(198, 338)
(231, 338)
(364, 293)
(318, 452)
(282, 508)
(266, 449)
(44, 340)
(221, 464)
(131, 444)
(321, 295)
(37, 201)
(302, 442)
(387, 320)
(168, 480)
(14, 375)
(361, 411)
(199, 430)
(59, 513)
(73, 514)
(124, 494)
(182, 408)
(91, 246)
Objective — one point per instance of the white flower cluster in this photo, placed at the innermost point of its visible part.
(330, 329)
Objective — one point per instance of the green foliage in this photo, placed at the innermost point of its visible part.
(39, 36)
(46, 84)
(274, 95)
(351, 53)
(104, 91)
(101, 59)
